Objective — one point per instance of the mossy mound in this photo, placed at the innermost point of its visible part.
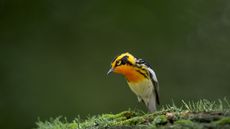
(189, 116)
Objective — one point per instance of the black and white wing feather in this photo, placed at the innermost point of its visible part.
(153, 78)
(155, 84)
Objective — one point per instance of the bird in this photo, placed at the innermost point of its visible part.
(140, 77)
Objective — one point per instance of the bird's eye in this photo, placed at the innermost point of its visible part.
(118, 62)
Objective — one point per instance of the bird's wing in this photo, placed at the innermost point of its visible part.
(155, 84)
(153, 77)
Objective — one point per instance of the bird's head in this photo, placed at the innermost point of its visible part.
(123, 64)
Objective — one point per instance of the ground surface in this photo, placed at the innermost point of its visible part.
(203, 114)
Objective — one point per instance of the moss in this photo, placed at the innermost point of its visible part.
(223, 121)
(194, 116)
(184, 122)
(57, 123)
(120, 116)
(133, 121)
(187, 124)
(160, 120)
(205, 117)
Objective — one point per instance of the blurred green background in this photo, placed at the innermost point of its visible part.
(55, 54)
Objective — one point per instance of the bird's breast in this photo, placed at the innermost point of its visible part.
(143, 88)
(132, 74)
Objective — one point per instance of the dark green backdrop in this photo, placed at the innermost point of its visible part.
(55, 54)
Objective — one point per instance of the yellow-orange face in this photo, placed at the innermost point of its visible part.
(125, 64)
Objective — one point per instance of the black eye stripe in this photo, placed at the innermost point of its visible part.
(123, 61)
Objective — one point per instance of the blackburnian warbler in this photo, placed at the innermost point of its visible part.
(141, 78)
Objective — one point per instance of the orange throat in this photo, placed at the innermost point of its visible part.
(130, 73)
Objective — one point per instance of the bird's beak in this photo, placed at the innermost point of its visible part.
(110, 70)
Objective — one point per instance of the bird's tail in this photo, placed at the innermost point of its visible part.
(151, 105)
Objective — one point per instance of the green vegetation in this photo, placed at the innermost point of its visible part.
(192, 115)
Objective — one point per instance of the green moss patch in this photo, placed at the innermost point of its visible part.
(192, 116)
(223, 121)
